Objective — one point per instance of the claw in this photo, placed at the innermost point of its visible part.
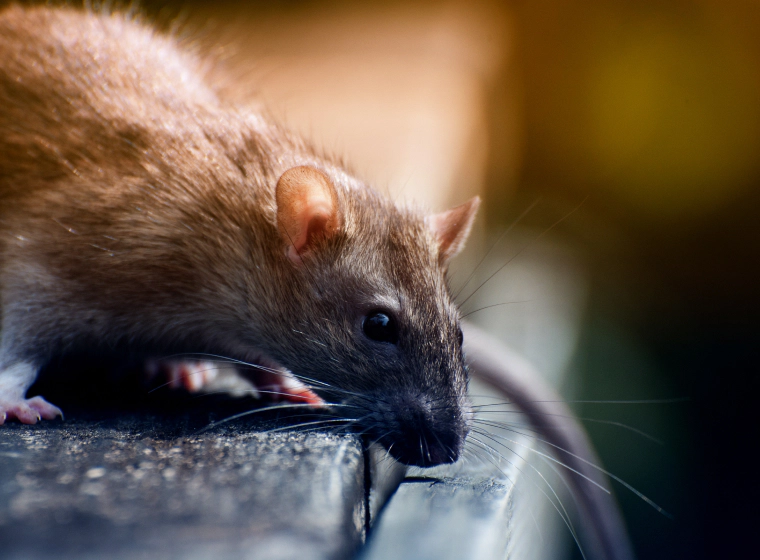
(28, 411)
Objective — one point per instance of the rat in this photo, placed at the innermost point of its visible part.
(143, 214)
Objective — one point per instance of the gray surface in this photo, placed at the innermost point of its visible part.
(449, 518)
(134, 487)
(149, 484)
(385, 477)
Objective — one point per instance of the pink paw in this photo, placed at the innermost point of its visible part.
(28, 411)
(190, 375)
(268, 383)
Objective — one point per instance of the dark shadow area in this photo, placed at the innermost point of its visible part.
(95, 390)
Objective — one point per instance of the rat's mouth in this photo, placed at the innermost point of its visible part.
(262, 378)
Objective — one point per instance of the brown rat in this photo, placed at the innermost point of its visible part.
(142, 214)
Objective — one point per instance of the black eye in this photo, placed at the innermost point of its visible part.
(460, 336)
(380, 327)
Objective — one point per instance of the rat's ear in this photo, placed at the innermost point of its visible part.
(307, 209)
(452, 227)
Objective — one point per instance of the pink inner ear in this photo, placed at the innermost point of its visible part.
(307, 209)
(315, 217)
(452, 227)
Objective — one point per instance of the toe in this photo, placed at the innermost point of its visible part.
(25, 414)
(193, 379)
(44, 409)
(189, 375)
(210, 371)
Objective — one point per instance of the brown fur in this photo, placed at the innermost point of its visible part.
(137, 211)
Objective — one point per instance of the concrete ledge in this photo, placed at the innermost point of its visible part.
(135, 487)
(449, 518)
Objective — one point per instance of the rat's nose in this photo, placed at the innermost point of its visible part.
(423, 437)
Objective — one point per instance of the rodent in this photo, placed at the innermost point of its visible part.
(142, 213)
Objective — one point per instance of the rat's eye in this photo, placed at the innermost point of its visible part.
(380, 327)
(460, 336)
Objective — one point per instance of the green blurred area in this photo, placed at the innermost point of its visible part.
(652, 110)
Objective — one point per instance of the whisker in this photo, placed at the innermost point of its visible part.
(225, 359)
(593, 466)
(181, 377)
(562, 514)
(303, 424)
(568, 467)
(252, 412)
(642, 433)
(277, 393)
(494, 305)
(529, 244)
(218, 359)
(566, 517)
(308, 380)
(641, 401)
(493, 245)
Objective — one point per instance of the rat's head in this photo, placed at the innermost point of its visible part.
(371, 317)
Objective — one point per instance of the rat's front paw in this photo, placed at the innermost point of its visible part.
(28, 411)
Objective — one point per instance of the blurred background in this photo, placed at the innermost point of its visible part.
(616, 146)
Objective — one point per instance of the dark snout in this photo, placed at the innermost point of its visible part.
(421, 431)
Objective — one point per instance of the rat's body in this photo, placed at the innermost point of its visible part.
(141, 213)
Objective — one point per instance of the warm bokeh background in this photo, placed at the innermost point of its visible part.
(652, 109)
(647, 115)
